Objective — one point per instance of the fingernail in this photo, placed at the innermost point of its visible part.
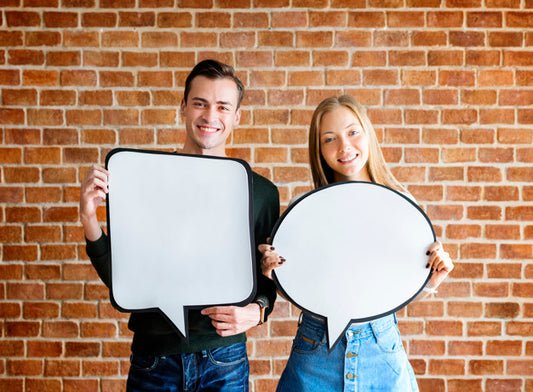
(272, 248)
(427, 265)
(427, 253)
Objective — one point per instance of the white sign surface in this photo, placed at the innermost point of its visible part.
(180, 232)
(355, 252)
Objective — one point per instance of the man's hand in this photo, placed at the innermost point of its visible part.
(93, 191)
(232, 320)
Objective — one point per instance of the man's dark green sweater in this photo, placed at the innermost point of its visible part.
(153, 333)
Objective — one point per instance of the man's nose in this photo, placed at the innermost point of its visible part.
(210, 114)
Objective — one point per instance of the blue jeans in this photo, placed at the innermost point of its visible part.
(369, 357)
(223, 369)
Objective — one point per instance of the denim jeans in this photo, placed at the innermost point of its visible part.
(223, 369)
(369, 357)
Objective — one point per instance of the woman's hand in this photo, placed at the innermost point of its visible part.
(440, 263)
(269, 260)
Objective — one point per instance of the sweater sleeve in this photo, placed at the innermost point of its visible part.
(98, 252)
(266, 213)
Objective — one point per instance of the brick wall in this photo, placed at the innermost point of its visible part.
(448, 84)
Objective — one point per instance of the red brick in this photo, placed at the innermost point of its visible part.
(79, 310)
(93, 368)
(22, 328)
(21, 97)
(44, 349)
(21, 18)
(484, 328)
(11, 38)
(83, 39)
(11, 194)
(57, 97)
(483, 57)
(520, 367)
(54, 175)
(98, 19)
(10, 233)
(431, 385)
(479, 97)
(391, 38)
(478, 250)
(40, 310)
(447, 366)
(11, 116)
(42, 194)
(25, 367)
(465, 348)
(426, 309)
(427, 347)
(60, 214)
(98, 329)
(37, 233)
(496, 385)
(289, 19)
(465, 309)
(82, 349)
(21, 136)
(503, 310)
(62, 368)
(63, 58)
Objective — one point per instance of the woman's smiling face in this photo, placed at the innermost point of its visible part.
(344, 145)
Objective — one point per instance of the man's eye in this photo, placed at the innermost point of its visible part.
(224, 108)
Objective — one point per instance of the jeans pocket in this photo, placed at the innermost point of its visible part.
(389, 340)
(306, 342)
(228, 355)
(143, 364)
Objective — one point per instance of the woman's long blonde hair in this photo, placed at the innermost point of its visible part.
(376, 165)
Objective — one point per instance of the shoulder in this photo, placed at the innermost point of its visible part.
(409, 196)
(263, 185)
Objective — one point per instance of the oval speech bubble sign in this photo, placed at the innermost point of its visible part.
(355, 251)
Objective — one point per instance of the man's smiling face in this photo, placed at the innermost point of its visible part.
(210, 113)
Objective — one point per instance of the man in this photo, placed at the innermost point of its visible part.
(214, 358)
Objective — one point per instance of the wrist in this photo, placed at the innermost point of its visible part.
(262, 310)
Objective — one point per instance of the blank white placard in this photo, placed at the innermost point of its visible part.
(180, 232)
(355, 251)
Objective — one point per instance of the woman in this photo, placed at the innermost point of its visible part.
(370, 357)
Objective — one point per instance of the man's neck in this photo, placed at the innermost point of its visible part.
(219, 151)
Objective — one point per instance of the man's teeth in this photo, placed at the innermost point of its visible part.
(208, 129)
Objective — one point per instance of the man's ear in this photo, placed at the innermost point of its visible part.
(182, 108)
(237, 116)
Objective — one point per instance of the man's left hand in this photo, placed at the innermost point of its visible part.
(232, 320)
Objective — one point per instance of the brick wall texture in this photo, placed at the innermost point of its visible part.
(447, 83)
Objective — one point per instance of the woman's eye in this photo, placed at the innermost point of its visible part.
(353, 132)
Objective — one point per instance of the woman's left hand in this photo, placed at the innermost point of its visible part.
(440, 263)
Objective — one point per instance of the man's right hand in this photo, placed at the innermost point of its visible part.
(93, 191)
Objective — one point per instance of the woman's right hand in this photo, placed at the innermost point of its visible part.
(269, 260)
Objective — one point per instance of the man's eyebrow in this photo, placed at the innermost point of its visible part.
(228, 103)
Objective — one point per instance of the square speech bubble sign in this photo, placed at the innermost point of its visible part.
(180, 232)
